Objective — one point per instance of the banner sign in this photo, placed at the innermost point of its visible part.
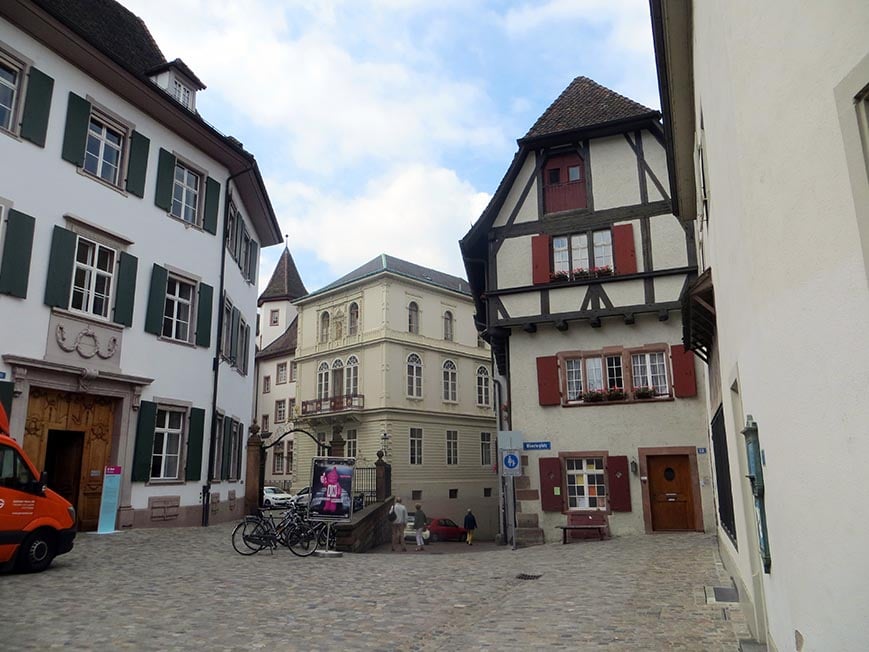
(109, 501)
(331, 488)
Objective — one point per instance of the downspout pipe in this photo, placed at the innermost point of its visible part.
(215, 364)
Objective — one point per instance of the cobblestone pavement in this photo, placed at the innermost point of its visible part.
(187, 589)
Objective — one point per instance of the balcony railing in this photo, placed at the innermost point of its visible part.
(564, 196)
(333, 404)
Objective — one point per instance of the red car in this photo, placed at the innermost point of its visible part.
(445, 529)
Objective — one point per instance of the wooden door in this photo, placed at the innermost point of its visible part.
(63, 462)
(670, 492)
(51, 410)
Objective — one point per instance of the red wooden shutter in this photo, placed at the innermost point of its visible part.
(619, 483)
(547, 381)
(623, 249)
(550, 485)
(684, 379)
(541, 245)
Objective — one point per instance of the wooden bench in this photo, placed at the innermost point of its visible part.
(593, 521)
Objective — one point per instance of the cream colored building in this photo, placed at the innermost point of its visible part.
(276, 368)
(767, 121)
(388, 359)
(577, 266)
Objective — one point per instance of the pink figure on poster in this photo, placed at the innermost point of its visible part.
(333, 490)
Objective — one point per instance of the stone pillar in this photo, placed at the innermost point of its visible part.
(383, 474)
(253, 480)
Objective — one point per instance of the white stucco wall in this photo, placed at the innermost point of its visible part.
(528, 210)
(615, 180)
(791, 297)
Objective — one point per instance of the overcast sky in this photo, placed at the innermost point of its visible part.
(384, 126)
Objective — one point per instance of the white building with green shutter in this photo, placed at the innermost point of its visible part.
(129, 239)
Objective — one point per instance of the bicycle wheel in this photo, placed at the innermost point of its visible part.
(321, 538)
(247, 537)
(302, 540)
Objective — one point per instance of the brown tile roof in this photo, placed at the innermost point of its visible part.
(583, 104)
(285, 283)
(284, 344)
(111, 28)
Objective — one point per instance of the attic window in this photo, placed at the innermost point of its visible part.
(181, 93)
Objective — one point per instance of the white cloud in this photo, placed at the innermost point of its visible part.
(417, 213)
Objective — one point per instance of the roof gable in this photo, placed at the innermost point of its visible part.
(284, 344)
(285, 283)
(584, 104)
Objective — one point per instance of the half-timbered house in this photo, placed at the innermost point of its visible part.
(576, 267)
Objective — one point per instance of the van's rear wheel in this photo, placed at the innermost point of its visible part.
(37, 551)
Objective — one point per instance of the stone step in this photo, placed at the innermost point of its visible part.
(529, 536)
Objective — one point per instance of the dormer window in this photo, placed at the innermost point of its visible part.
(181, 94)
(564, 185)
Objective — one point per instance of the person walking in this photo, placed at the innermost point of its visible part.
(398, 524)
(419, 524)
(470, 526)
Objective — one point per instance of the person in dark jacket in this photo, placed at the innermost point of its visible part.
(470, 526)
(419, 525)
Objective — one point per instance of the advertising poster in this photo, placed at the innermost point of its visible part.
(331, 488)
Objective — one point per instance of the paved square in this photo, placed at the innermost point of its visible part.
(187, 589)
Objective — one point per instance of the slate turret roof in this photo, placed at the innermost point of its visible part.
(285, 284)
(385, 263)
(585, 103)
(283, 344)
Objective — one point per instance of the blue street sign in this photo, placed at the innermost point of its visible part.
(510, 463)
(536, 445)
(701, 450)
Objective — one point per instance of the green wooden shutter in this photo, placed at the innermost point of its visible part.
(37, 107)
(240, 445)
(75, 135)
(233, 334)
(252, 261)
(156, 300)
(125, 292)
(239, 231)
(60, 262)
(165, 180)
(203, 315)
(138, 165)
(212, 203)
(17, 247)
(193, 467)
(144, 441)
(7, 391)
(227, 446)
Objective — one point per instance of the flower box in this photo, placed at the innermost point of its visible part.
(644, 392)
(594, 396)
(558, 276)
(606, 270)
(616, 394)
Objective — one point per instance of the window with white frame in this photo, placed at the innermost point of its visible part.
(289, 456)
(280, 410)
(324, 327)
(448, 326)
(352, 449)
(166, 451)
(11, 73)
(265, 423)
(281, 373)
(104, 149)
(93, 278)
(217, 453)
(586, 483)
(573, 371)
(353, 319)
(186, 193)
(452, 447)
(450, 375)
(181, 93)
(351, 376)
(337, 377)
(482, 387)
(323, 380)
(294, 371)
(416, 445)
(267, 384)
(243, 346)
(178, 309)
(649, 370)
(485, 449)
(278, 468)
(413, 318)
(414, 376)
(582, 253)
(291, 407)
(595, 377)
(274, 317)
(232, 219)
(226, 335)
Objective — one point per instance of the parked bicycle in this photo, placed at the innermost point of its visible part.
(294, 530)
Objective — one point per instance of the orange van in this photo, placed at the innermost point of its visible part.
(36, 524)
